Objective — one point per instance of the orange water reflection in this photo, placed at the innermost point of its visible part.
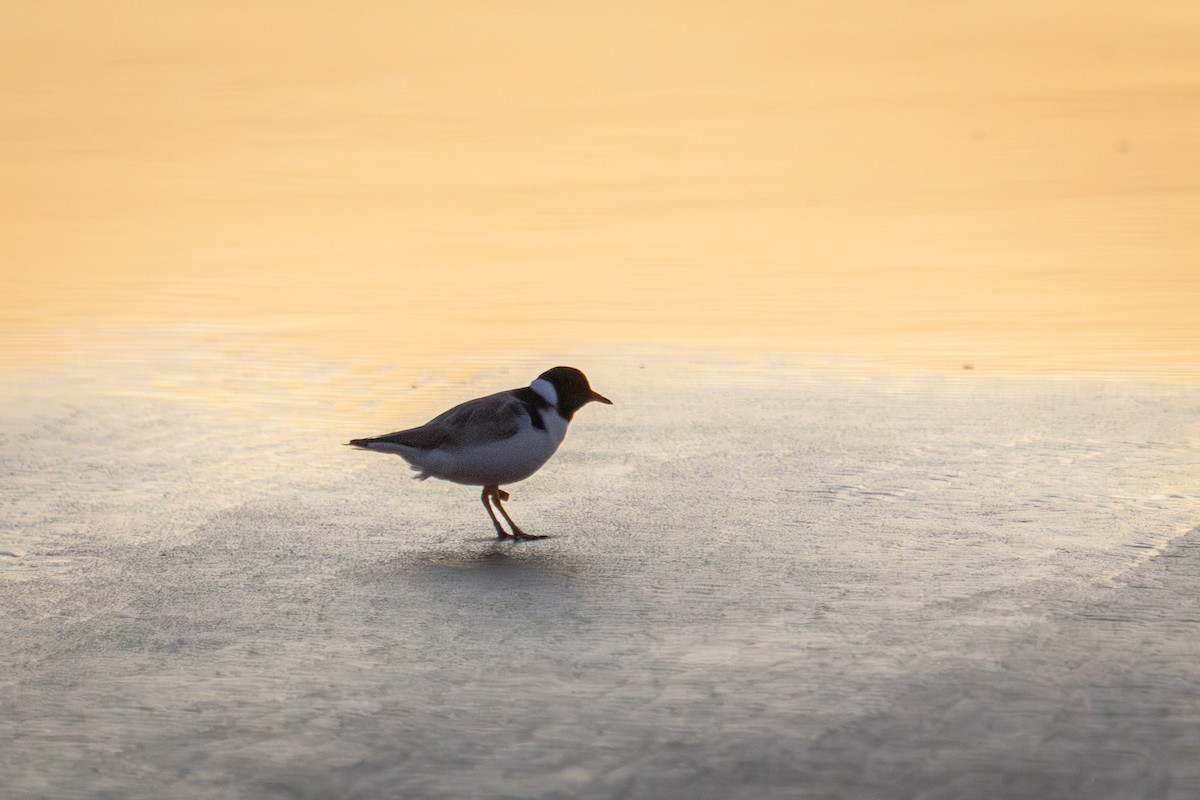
(999, 184)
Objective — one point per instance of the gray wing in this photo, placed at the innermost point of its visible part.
(478, 421)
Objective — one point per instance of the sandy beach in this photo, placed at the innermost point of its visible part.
(886, 587)
(898, 498)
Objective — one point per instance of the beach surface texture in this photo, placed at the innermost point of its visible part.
(757, 584)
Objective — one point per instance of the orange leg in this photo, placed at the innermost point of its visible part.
(488, 491)
(496, 495)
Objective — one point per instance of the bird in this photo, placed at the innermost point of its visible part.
(495, 440)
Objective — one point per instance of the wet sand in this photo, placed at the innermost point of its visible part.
(759, 583)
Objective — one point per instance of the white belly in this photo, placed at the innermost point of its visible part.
(494, 464)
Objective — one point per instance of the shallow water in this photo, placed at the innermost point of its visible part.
(758, 583)
(1002, 185)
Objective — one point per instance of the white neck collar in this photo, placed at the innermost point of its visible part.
(546, 391)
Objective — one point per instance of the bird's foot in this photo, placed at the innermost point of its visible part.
(520, 534)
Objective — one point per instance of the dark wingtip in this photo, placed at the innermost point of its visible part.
(359, 443)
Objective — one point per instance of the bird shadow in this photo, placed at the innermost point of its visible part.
(506, 555)
(482, 561)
